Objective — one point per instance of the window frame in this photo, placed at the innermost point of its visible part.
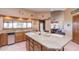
(12, 21)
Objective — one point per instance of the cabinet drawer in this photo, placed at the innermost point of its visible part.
(31, 48)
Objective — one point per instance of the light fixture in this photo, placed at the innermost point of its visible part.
(29, 19)
(20, 18)
(7, 17)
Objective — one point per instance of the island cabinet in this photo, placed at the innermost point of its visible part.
(27, 45)
(3, 39)
(44, 48)
(37, 46)
(32, 45)
(19, 36)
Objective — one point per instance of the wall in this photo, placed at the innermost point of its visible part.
(1, 23)
(35, 25)
(43, 15)
(24, 13)
(68, 22)
(59, 17)
(47, 25)
(16, 12)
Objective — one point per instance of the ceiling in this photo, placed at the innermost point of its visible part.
(45, 9)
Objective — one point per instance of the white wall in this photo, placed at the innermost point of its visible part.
(43, 15)
(68, 20)
(16, 12)
(58, 16)
(1, 23)
(47, 25)
(35, 25)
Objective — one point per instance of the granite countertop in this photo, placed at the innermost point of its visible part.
(50, 41)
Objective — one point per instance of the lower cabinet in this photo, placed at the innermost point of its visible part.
(3, 39)
(44, 48)
(27, 45)
(19, 36)
(31, 48)
(32, 45)
(37, 46)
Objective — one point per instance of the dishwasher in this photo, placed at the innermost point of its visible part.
(11, 38)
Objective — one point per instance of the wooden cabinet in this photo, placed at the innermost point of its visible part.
(37, 46)
(76, 29)
(19, 36)
(32, 45)
(3, 39)
(27, 45)
(44, 48)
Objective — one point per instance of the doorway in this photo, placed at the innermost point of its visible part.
(76, 29)
(42, 25)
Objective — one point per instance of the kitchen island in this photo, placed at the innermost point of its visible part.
(37, 41)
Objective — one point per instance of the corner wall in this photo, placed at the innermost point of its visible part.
(68, 23)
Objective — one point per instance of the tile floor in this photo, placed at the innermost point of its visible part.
(15, 47)
(71, 46)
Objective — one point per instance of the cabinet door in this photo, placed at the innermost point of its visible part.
(31, 45)
(44, 48)
(4, 39)
(76, 29)
(37, 46)
(27, 45)
(19, 37)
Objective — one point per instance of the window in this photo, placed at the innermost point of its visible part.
(29, 24)
(55, 26)
(8, 24)
(17, 25)
(24, 25)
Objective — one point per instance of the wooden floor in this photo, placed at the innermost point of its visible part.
(71, 46)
